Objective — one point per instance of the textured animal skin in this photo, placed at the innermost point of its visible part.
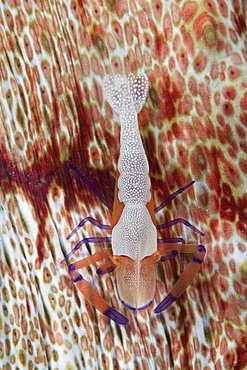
(53, 58)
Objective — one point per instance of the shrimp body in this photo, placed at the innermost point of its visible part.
(134, 233)
(135, 247)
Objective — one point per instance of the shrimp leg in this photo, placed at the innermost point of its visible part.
(179, 221)
(172, 196)
(93, 221)
(176, 221)
(187, 276)
(90, 293)
(90, 186)
(103, 239)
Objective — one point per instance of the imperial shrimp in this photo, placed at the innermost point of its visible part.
(136, 249)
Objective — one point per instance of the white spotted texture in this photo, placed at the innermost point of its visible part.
(135, 234)
(127, 96)
(124, 92)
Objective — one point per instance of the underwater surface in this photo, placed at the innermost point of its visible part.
(53, 58)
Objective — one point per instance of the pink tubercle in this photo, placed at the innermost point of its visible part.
(205, 95)
(223, 7)
(176, 15)
(183, 60)
(189, 10)
(167, 26)
(200, 62)
(243, 103)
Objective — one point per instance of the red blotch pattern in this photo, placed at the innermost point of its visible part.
(200, 62)
(194, 126)
(189, 10)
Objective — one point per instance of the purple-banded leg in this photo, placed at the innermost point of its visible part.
(174, 240)
(179, 221)
(175, 222)
(93, 221)
(103, 239)
(172, 196)
(91, 293)
(106, 268)
(167, 256)
(91, 186)
(187, 276)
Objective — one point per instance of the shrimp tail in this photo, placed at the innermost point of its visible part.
(123, 93)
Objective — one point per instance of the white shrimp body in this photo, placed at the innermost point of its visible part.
(135, 249)
(135, 234)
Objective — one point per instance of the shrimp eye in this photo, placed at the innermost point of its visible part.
(156, 256)
(116, 260)
(151, 260)
(121, 260)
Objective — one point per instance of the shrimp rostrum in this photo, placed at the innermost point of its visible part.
(135, 247)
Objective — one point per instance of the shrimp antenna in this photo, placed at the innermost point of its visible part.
(90, 186)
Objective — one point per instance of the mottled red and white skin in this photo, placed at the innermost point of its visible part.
(53, 58)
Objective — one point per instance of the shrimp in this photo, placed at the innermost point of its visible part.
(136, 249)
